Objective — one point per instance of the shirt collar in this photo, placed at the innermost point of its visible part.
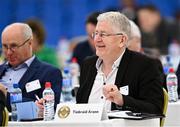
(115, 64)
(30, 60)
(27, 63)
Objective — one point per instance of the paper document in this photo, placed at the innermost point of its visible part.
(132, 115)
(122, 114)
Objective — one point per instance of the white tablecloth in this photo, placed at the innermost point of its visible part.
(172, 120)
(173, 115)
(105, 123)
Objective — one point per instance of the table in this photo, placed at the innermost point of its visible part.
(173, 115)
(172, 120)
(105, 123)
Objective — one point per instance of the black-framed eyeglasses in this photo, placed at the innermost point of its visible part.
(14, 47)
(103, 35)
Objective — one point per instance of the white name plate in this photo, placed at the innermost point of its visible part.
(69, 112)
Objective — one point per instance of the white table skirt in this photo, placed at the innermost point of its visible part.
(173, 115)
(105, 123)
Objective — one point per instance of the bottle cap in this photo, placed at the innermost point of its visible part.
(166, 69)
(74, 60)
(171, 70)
(66, 70)
(47, 85)
(15, 85)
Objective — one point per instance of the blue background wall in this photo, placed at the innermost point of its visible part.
(65, 18)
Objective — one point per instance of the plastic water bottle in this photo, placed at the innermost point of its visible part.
(167, 65)
(171, 81)
(15, 97)
(75, 73)
(66, 86)
(48, 96)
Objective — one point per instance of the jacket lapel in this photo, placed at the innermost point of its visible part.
(2, 70)
(88, 81)
(92, 75)
(29, 73)
(123, 66)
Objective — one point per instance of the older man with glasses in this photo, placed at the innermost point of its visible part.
(119, 78)
(22, 67)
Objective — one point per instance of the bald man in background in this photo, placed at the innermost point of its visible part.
(22, 67)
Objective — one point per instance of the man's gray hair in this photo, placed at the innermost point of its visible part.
(119, 22)
(26, 30)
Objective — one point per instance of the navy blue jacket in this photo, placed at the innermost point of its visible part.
(44, 73)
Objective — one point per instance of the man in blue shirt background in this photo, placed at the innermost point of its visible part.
(23, 67)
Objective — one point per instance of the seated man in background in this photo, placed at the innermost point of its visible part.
(118, 77)
(3, 93)
(134, 42)
(23, 67)
(86, 48)
(157, 31)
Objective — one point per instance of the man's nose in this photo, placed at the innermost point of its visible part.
(9, 51)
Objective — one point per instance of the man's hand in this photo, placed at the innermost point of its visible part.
(112, 94)
(40, 106)
(3, 89)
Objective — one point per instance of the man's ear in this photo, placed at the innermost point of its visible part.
(30, 41)
(123, 41)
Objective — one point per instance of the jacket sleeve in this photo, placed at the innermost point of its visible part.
(150, 92)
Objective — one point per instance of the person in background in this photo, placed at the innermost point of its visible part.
(157, 32)
(3, 94)
(23, 67)
(178, 69)
(134, 44)
(86, 48)
(39, 49)
(119, 78)
(128, 8)
(178, 76)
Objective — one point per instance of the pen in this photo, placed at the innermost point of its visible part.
(37, 97)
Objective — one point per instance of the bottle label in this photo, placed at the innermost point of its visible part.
(16, 97)
(66, 82)
(49, 97)
(172, 81)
